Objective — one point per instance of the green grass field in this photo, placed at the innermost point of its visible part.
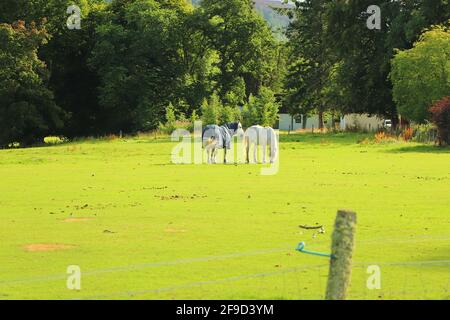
(141, 227)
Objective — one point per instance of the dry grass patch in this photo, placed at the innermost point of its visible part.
(35, 247)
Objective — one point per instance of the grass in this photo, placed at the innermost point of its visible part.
(140, 227)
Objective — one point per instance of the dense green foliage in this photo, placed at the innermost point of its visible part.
(334, 55)
(27, 108)
(138, 58)
(244, 44)
(133, 58)
(421, 75)
(210, 110)
(261, 109)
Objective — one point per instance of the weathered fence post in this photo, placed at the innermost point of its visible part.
(341, 255)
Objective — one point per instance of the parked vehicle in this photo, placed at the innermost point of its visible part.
(387, 124)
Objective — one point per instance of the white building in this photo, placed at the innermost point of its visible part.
(290, 123)
(361, 121)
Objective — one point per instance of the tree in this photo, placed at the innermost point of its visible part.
(66, 53)
(170, 125)
(14, 10)
(236, 95)
(310, 60)
(244, 43)
(73, 82)
(27, 108)
(261, 110)
(337, 63)
(199, 59)
(51, 13)
(228, 114)
(250, 114)
(365, 55)
(421, 75)
(268, 107)
(138, 58)
(211, 110)
(299, 99)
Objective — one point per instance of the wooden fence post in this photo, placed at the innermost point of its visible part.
(341, 255)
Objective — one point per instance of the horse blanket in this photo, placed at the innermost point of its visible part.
(222, 135)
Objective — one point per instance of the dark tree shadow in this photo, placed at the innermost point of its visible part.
(341, 138)
(420, 149)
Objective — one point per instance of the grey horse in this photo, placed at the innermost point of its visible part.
(216, 137)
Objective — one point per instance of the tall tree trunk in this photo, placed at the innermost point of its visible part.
(394, 119)
(332, 127)
(320, 120)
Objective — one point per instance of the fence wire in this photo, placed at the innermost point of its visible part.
(431, 279)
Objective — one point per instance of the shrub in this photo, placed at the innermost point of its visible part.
(424, 133)
(211, 109)
(194, 116)
(261, 110)
(173, 122)
(440, 111)
(407, 134)
(214, 112)
(269, 107)
(421, 74)
(383, 137)
(14, 145)
(229, 114)
(192, 120)
(250, 113)
(171, 119)
(55, 140)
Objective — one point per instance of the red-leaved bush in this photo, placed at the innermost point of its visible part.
(440, 111)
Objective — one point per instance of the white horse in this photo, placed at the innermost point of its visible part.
(263, 136)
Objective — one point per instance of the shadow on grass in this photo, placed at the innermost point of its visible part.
(327, 138)
(420, 149)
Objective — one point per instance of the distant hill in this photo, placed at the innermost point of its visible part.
(273, 18)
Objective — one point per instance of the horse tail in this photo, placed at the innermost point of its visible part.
(246, 146)
(208, 141)
(273, 142)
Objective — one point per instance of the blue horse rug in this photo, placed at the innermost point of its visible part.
(222, 135)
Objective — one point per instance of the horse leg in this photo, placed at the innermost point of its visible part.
(273, 148)
(271, 153)
(264, 150)
(255, 151)
(225, 155)
(247, 150)
(208, 154)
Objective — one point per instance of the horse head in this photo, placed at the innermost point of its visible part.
(235, 128)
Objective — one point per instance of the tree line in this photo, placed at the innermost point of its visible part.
(135, 63)
(339, 65)
(129, 60)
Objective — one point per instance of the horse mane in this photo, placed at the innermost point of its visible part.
(233, 126)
